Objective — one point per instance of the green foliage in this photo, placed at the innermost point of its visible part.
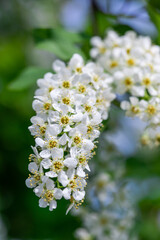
(62, 49)
(26, 78)
(155, 17)
(63, 44)
(155, 4)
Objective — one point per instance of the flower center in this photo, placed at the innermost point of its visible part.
(47, 106)
(128, 82)
(82, 89)
(146, 81)
(82, 159)
(49, 196)
(52, 143)
(113, 64)
(50, 89)
(77, 140)
(79, 70)
(88, 108)
(89, 129)
(66, 84)
(42, 130)
(102, 50)
(72, 184)
(95, 78)
(128, 50)
(37, 177)
(58, 165)
(151, 109)
(135, 109)
(99, 100)
(64, 120)
(66, 100)
(130, 62)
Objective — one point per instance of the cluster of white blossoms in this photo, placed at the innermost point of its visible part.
(70, 106)
(151, 137)
(113, 221)
(109, 213)
(134, 64)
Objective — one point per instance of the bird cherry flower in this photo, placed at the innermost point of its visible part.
(66, 126)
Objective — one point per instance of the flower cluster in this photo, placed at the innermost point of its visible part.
(113, 221)
(109, 213)
(132, 60)
(134, 63)
(151, 137)
(70, 106)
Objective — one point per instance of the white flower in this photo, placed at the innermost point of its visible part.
(70, 107)
(49, 198)
(132, 108)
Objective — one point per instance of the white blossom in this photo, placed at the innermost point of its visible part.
(70, 106)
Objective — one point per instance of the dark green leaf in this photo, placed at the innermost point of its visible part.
(155, 17)
(63, 50)
(41, 34)
(154, 3)
(68, 36)
(26, 78)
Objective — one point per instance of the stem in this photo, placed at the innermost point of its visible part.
(94, 18)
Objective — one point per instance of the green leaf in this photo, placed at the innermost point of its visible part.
(52, 47)
(155, 17)
(154, 3)
(63, 50)
(26, 78)
(58, 41)
(42, 34)
(63, 35)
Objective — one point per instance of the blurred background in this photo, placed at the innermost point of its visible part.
(66, 26)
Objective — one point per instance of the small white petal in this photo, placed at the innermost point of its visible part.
(87, 167)
(78, 195)
(53, 130)
(38, 190)
(58, 65)
(80, 172)
(70, 162)
(32, 167)
(62, 178)
(67, 193)
(88, 144)
(125, 105)
(52, 205)
(57, 153)
(46, 163)
(30, 183)
(58, 193)
(50, 184)
(45, 154)
(76, 61)
(51, 174)
(39, 142)
(63, 140)
(42, 203)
